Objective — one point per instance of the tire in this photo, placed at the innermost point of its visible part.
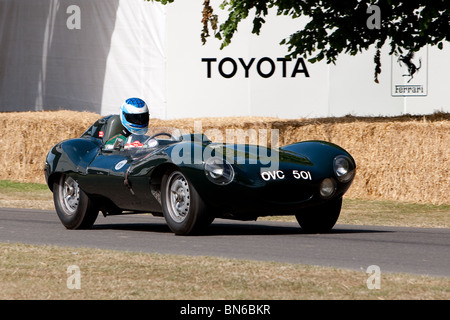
(73, 206)
(320, 219)
(184, 210)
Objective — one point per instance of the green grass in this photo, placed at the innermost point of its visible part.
(12, 186)
(392, 213)
(389, 213)
(25, 195)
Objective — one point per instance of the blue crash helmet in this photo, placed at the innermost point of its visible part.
(134, 116)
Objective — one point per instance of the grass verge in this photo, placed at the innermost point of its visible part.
(40, 272)
(389, 213)
(25, 195)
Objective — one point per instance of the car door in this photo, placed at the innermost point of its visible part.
(105, 177)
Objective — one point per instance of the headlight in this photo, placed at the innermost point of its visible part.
(327, 188)
(219, 171)
(343, 169)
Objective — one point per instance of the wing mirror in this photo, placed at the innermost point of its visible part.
(118, 144)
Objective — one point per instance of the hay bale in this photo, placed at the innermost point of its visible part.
(403, 161)
(403, 158)
(28, 136)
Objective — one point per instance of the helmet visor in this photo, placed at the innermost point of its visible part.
(140, 119)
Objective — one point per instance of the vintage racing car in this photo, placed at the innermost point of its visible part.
(191, 181)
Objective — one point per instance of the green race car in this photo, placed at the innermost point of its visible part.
(191, 181)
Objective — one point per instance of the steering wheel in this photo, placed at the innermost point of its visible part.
(161, 134)
(158, 134)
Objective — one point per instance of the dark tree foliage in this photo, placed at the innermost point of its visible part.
(336, 27)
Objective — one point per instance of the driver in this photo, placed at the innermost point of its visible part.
(134, 116)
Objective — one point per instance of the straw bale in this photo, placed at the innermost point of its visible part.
(404, 161)
(28, 136)
(402, 158)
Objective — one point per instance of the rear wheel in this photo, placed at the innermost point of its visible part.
(320, 219)
(184, 210)
(73, 206)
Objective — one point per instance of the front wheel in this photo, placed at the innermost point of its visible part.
(320, 219)
(184, 210)
(73, 206)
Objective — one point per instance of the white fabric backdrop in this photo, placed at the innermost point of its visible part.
(127, 48)
(117, 53)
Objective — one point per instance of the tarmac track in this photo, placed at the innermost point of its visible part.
(393, 249)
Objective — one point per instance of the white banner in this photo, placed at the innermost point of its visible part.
(92, 55)
(81, 55)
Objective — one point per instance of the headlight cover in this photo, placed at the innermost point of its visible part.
(327, 188)
(219, 171)
(343, 169)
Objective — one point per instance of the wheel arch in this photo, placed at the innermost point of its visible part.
(52, 178)
(157, 174)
